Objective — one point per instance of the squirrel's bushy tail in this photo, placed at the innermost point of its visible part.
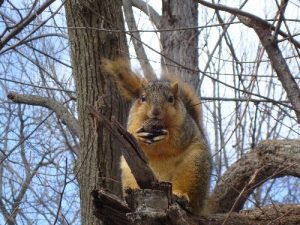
(129, 83)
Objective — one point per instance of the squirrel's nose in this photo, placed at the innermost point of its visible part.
(155, 113)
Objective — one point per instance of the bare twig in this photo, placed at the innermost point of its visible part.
(248, 186)
(281, 11)
(61, 193)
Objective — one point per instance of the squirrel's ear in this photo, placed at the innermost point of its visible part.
(174, 88)
(129, 83)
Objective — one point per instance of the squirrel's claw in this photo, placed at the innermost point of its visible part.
(149, 137)
(148, 141)
(152, 140)
(145, 135)
(158, 138)
(164, 131)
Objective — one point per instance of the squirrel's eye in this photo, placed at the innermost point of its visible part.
(143, 98)
(171, 99)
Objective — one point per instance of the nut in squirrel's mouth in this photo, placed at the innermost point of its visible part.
(151, 131)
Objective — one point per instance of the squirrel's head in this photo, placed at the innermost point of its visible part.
(157, 99)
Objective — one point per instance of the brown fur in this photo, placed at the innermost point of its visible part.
(182, 156)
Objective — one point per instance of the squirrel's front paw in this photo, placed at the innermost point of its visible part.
(151, 136)
(183, 196)
(151, 131)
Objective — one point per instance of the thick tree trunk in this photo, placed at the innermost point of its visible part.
(180, 46)
(99, 155)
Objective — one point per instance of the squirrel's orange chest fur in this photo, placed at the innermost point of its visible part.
(163, 166)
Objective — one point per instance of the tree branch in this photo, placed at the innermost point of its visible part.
(138, 44)
(274, 214)
(281, 11)
(154, 17)
(132, 153)
(60, 110)
(274, 158)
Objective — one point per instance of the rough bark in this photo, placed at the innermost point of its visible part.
(180, 46)
(99, 156)
(273, 214)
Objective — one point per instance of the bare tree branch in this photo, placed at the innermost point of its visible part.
(60, 110)
(148, 10)
(138, 44)
(281, 11)
(274, 214)
(275, 158)
(278, 62)
(132, 153)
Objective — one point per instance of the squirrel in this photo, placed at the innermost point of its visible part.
(166, 119)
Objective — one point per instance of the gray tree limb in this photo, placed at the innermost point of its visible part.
(60, 110)
(154, 17)
(136, 40)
